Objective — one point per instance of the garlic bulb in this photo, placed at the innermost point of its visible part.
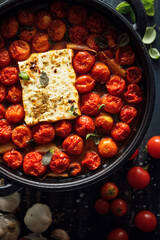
(38, 218)
(9, 203)
(34, 236)
(60, 234)
(9, 227)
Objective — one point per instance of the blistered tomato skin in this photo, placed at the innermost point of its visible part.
(21, 135)
(77, 14)
(128, 114)
(14, 113)
(9, 76)
(113, 104)
(13, 159)
(109, 191)
(2, 111)
(107, 147)
(95, 23)
(60, 162)
(43, 20)
(84, 125)
(2, 93)
(5, 131)
(100, 72)
(146, 221)
(74, 169)
(83, 62)
(78, 34)
(19, 50)
(9, 27)
(14, 95)
(90, 104)
(73, 144)
(40, 42)
(57, 30)
(125, 55)
(101, 206)
(27, 35)
(5, 58)
(63, 128)
(120, 131)
(138, 178)
(2, 42)
(104, 123)
(133, 75)
(32, 164)
(91, 160)
(84, 83)
(92, 43)
(59, 8)
(26, 17)
(43, 133)
(116, 85)
(133, 94)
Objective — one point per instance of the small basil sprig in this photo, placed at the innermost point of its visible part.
(102, 42)
(44, 79)
(102, 105)
(154, 53)
(23, 75)
(46, 159)
(93, 136)
(123, 40)
(73, 111)
(150, 35)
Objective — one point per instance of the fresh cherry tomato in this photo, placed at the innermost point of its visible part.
(125, 55)
(60, 162)
(113, 104)
(118, 234)
(32, 164)
(56, 30)
(119, 207)
(40, 42)
(84, 83)
(5, 58)
(9, 27)
(104, 123)
(133, 74)
(107, 147)
(59, 8)
(135, 154)
(14, 113)
(78, 34)
(83, 62)
(26, 17)
(90, 103)
(27, 35)
(146, 221)
(138, 178)
(43, 20)
(128, 113)
(74, 169)
(100, 72)
(63, 128)
(92, 43)
(14, 95)
(5, 131)
(101, 206)
(116, 85)
(43, 133)
(19, 50)
(21, 135)
(133, 94)
(109, 191)
(2, 42)
(120, 131)
(73, 144)
(9, 76)
(2, 93)
(13, 159)
(77, 14)
(2, 111)
(153, 147)
(84, 125)
(95, 23)
(91, 160)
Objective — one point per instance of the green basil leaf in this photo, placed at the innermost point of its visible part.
(123, 40)
(46, 159)
(102, 105)
(44, 79)
(133, 17)
(102, 42)
(123, 7)
(154, 53)
(149, 7)
(93, 136)
(23, 75)
(150, 35)
(73, 111)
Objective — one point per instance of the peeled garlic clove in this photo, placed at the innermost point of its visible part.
(38, 218)
(33, 236)
(9, 203)
(60, 234)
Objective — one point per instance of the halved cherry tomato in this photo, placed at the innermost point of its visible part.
(2, 93)
(40, 42)
(56, 30)
(2, 111)
(21, 135)
(153, 147)
(90, 103)
(116, 85)
(95, 23)
(26, 17)
(100, 72)
(133, 94)
(5, 58)
(135, 154)
(9, 76)
(109, 190)
(19, 50)
(60, 162)
(59, 8)
(119, 207)
(5, 131)
(28, 34)
(9, 27)
(32, 164)
(43, 133)
(107, 147)
(13, 159)
(120, 131)
(92, 43)
(74, 169)
(73, 144)
(63, 128)
(78, 34)
(128, 113)
(83, 62)
(84, 83)
(84, 125)
(91, 160)
(43, 20)
(113, 104)
(77, 14)
(14, 113)
(101, 206)
(2, 42)
(133, 74)
(146, 221)
(104, 123)
(138, 178)
(125, 55)
(118, 234)
(14, 95)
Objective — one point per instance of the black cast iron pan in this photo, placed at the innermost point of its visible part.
(136, 32)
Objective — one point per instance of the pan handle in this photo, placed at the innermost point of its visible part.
(8, 189)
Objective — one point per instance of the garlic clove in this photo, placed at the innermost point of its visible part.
(60, 234)
(9, 203)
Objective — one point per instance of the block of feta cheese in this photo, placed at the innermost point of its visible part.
(50, 94)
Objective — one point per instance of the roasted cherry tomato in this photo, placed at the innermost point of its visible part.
(2, 42)
(133, 94)
(118, 234)
(14, 95)
(95, 23)
(113, 104)
(28, 34)
(26, 17)
(59, 8)
(135, 154)
(104, 123)
(78, 34)
(84, 83)
(107, 147)
(9, 76)
(100, 72)
(92, 43)
(56, 30)
(106, 52)
(138, 178)
(128, 113)
(40, 42)
(13, 159)
(43, 133)
(2, 111)
(119, 207)
(74, 169)
(153, 147)
(91, 160)
(116, 85)
(101, 206)
(9, 27)
(63, 128)
(133, 74)
(83, 62)
(84, 125)
(109, 190)
(60, 162)
(5, 131)
(32, 164)
(90, 103)
(21, 135)
(112, 38)
(14, 113)
(120, 131)
(77, 14)
(2, 93)
(73, 144)
(5, 58)
(19, 50)
(43, 20)
(146, 221)
(125, 55)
